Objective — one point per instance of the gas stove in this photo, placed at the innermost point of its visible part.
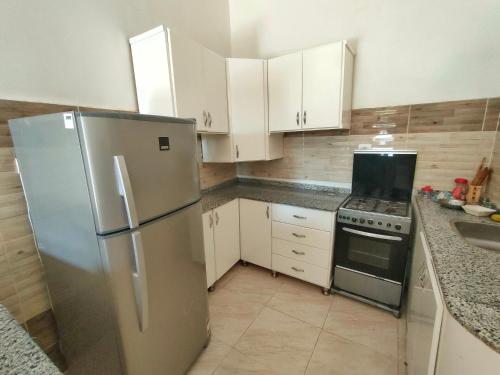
(372, 235)
(391, 216)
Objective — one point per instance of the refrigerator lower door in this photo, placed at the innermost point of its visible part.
(158, 286)
(139, 167)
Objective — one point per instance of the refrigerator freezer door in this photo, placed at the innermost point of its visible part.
(139, 167)
(158, 285)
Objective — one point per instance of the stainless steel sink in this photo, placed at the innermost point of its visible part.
(485, 236)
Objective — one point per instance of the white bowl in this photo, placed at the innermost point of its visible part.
(477, 210)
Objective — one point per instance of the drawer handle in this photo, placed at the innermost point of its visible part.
(299, 235)
(298, 252)
(299, 217)
(297, 269)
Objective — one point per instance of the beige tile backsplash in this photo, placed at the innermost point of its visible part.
(449, 138)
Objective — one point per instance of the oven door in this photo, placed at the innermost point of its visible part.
(374, 252)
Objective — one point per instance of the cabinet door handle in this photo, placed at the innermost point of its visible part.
(216, 218)
(140, 282)
(297, 269)
(267, 212)
(211, 223)
(125, 190)
(297, 119)
(299, 235)
(298, 252)
(304, 118)
(205, 118)
(299, 217)
(237, 152)
(209, 120)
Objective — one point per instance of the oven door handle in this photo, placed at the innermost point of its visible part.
(372, 235)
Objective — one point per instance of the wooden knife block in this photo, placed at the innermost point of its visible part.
(474, 194)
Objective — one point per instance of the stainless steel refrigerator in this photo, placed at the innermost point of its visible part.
(114, 203)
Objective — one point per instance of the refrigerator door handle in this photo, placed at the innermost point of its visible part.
(125, 189)
(140, 282)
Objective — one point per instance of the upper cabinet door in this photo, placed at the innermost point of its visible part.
(150, 56)
(322, 73)
(187, 72)
(215, 95)
(246, 97)
(285, 92)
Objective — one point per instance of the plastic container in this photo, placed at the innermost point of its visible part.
(460, 189)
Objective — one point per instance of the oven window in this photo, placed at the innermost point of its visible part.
(374, 256)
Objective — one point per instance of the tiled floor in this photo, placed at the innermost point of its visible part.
(262, 325)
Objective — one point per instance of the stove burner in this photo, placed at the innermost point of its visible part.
(378, 206)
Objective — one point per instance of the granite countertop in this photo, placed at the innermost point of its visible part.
(18, 352)
(302, 195)
(468, 275)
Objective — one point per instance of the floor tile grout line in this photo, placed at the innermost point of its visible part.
(312, 352)
(358, 343)
(293, 317)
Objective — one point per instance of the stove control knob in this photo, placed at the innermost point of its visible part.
(361, 220)
(379, 223)
(354, 219)
(397, 226)
(388, 225)
(370, 221)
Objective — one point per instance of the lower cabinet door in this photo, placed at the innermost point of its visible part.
(208, 243)
(255, 227)
(226, 237)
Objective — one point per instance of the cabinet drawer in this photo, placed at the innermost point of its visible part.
(302, 235)
(301, 270)
(305, 217)
(303, 253)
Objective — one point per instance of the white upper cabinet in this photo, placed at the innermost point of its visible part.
(152, 77)
(175, 76)
(322, 73)
(311, 89)
(187, 77)
(214, 88)
(247, 114)
(249, 137)
(285, 92)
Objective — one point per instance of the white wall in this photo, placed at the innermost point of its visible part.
(408, 51)
(77, 52)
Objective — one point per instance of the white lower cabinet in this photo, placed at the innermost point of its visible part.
(269, 235)
(255, 232)
(436, 343)
(208, 242)
(302, 243)
(221, 235)
(226, 237)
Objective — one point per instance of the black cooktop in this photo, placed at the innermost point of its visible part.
(380, 206)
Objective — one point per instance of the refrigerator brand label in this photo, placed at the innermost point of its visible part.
(68, 121)
(164, 143)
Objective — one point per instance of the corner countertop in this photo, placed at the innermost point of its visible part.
(468, 275)
(302, 195)
(18, 352)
